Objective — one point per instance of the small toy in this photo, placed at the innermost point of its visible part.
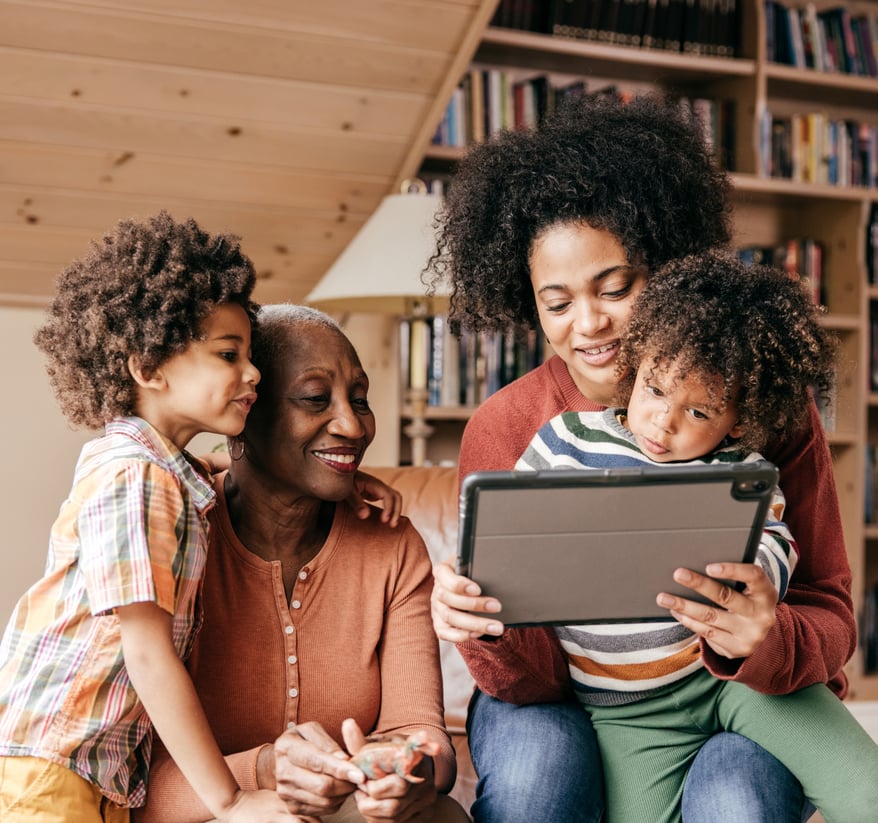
(394, 754)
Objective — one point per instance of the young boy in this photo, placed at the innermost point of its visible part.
(715, 359)
(149, 336)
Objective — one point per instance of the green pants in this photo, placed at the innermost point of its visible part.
(647, 747)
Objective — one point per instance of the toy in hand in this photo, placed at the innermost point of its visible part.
(393, 754)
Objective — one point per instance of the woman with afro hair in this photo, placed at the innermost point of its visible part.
(560, 229)
(716, 360)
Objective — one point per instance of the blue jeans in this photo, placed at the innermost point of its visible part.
(541, 762)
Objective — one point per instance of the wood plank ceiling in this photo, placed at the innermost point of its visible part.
(282, 121)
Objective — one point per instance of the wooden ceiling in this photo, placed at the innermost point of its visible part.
(282, 121)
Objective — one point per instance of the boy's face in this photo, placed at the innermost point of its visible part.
(210, 386)
(674, 418)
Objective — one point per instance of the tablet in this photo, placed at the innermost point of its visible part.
(569, 546)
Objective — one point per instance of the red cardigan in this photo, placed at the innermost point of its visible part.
(815, 632)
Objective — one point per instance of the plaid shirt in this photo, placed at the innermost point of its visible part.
(133, 529)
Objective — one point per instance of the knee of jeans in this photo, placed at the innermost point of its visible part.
(542, 757)
(733, 778)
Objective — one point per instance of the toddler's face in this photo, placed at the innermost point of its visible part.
(676, 418)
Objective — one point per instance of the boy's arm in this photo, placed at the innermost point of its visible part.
(166, 691)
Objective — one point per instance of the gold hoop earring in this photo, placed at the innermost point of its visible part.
(232, 453)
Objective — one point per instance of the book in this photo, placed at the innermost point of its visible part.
(835, 40)
(608, 23)
(435, 359)
(673, 39)
(865, 45)
(689, 42)
(450, 384)
(811, 38)
(561, 17)
(478, 128)
(638, 18)
(653, 36)
(796, 41)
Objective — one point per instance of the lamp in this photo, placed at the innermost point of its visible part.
(380, 272)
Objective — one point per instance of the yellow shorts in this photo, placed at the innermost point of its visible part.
(33, 790)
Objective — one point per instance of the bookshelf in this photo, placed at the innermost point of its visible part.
(768, 209)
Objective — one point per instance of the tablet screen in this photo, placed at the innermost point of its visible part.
(597, 545)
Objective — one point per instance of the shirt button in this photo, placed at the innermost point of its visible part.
(291, 725)
(303, 575)
(292, 659)
(289, 629)
(294, 692)
(296, 604)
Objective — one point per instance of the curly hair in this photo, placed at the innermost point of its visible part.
(756, 328)
(272, 335)
(641, 170)
(145, 289)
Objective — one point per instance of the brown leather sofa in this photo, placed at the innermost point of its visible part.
(430, 501)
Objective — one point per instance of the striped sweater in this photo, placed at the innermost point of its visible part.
(618, 663)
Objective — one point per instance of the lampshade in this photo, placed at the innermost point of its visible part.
(380, 270)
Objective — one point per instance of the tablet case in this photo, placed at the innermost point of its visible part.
(571, 546)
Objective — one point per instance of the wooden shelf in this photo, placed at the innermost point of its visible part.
(462, 413)
(570, 56)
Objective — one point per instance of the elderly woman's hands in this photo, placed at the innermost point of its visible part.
(312, 773)
(745, 618)
(314, 777)
(453, 600)
(391, 798)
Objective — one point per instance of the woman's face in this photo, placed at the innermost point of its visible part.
(585, 289)
(312, 423)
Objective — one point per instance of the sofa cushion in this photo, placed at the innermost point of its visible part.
(430, 501)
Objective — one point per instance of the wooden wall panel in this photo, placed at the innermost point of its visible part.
(30, 164)
(212, 139)
(204, 44)
(73, 79)
(283, 121)
(384, 21)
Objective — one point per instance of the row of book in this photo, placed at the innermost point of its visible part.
(488, 100)
(815, 148)
(831, 39)
(464, 370)
(705, 27)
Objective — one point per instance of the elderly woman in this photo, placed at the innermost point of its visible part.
(313, 617)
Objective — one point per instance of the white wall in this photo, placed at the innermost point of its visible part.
(39, 448)
(38, 455)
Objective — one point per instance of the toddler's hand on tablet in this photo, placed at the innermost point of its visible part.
(455, 604)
